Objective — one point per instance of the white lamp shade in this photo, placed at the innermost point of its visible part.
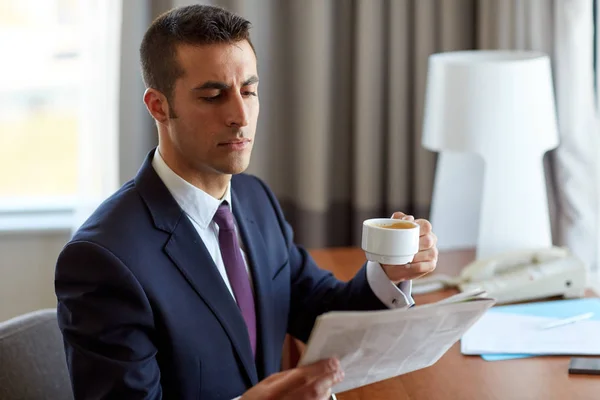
(498, 105)
(477, 101)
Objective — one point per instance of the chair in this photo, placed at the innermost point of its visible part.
(32, 358)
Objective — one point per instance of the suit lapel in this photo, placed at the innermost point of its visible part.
(193, 260)
(257, 258)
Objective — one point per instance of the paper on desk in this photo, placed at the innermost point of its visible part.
(377, 345)
(553, 309)
(499, 333)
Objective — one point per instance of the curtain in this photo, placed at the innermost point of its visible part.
(342, 86)
(565, 30)
(342, 92)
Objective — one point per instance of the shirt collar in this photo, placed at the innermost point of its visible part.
(196, 203)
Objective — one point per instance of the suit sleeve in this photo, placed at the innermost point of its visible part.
(106, 321)
(315, 291)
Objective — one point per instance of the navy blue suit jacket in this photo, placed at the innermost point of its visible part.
(145, 313)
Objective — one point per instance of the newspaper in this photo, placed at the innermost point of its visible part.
(377, 345)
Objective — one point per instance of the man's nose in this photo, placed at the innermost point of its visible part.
(237, 113)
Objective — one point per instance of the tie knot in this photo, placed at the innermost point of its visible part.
(224, 217)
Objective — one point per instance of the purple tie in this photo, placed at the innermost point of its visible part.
(236, 269)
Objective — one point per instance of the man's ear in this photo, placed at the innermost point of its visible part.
(157, 105)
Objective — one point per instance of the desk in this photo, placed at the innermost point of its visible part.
(458, 377)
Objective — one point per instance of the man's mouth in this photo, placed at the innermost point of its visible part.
(236, 144)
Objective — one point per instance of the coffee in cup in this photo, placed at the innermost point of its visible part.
(397, 224)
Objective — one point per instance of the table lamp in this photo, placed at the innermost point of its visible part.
(497, 106)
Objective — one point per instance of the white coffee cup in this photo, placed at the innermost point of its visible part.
(390, 241)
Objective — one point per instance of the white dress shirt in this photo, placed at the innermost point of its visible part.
(200, 207)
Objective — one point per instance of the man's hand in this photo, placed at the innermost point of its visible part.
(309, 382)
(425, 260)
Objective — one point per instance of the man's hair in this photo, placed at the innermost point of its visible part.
(193, 25)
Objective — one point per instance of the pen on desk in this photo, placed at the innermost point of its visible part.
(566, 321)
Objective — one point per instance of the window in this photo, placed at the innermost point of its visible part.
(59, 59)
(39, 99)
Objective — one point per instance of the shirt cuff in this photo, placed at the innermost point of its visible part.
(391, 295)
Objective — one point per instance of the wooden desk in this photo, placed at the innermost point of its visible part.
(458, 377)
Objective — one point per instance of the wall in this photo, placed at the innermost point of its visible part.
(27, 263)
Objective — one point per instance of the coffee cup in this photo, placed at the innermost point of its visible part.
(390, 241)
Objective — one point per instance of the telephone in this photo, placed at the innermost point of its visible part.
(517, 276)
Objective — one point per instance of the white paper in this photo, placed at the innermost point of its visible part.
(377, 345)
(499, 333)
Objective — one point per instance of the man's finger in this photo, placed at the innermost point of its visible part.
(425, 226)
(431, 254)
(401, 215)
(301, 376)
(413, 270)
(318, 388)
(427, 241)
(420, 268)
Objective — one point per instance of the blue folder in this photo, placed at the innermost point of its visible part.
(550, 309)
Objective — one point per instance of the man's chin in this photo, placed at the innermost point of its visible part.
(237, 171)
(235, 168)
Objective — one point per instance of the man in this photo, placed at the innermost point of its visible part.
(184, 283)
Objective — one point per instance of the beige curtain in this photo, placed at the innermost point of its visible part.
(342, 86)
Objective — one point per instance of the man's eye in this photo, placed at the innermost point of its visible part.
(211, 99)
(249, 93)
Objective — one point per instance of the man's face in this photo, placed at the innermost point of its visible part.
(216, 106)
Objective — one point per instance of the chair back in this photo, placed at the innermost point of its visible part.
(32, 358)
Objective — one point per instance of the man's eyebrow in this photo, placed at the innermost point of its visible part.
(212, 85)
(223, 86)
(253, 79)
